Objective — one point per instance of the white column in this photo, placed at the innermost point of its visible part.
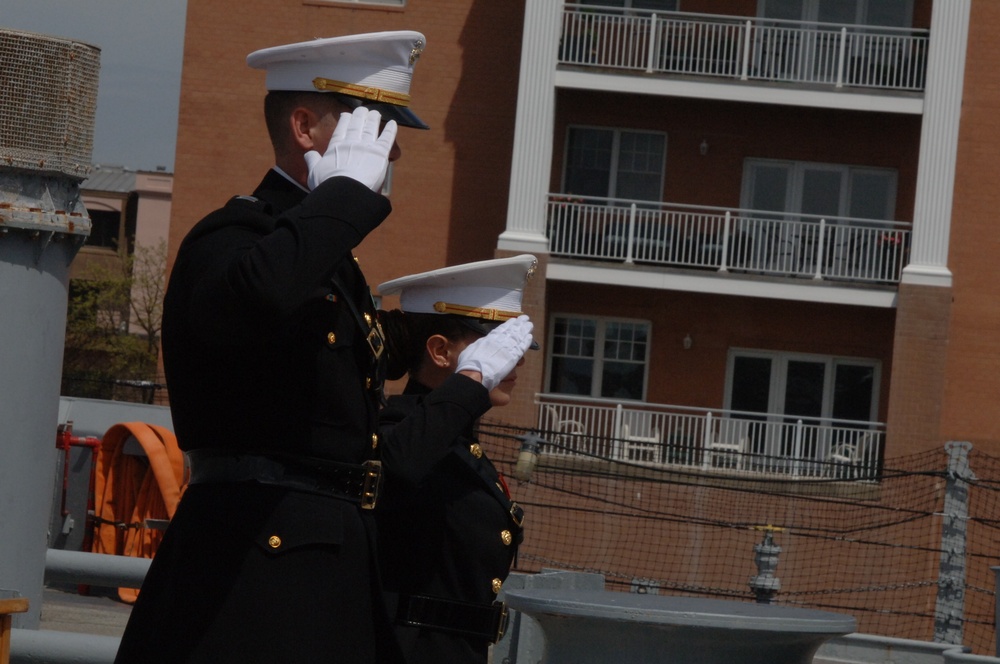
(532, 156)
(939, 144)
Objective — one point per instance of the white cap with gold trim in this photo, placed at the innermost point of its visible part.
(374, 69)
(484, 292)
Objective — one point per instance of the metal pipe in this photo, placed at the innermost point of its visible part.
(95, 569)
(38, 646)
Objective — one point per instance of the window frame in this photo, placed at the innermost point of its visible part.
(779, 377)
(597, 375)
(795, 177)
(810, 12)
(615, 165)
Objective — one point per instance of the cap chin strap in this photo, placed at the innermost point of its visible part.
(474, 312)
(369, 93)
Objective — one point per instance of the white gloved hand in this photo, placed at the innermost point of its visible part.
(356, 150)
(496, 354)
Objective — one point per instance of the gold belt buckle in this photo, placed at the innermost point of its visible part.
(501, 621)
(372, 484)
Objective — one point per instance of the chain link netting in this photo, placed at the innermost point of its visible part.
(871, 549)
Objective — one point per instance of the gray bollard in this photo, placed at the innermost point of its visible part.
(596, 627)
(523, 641)
(47, 101)
(40, 646)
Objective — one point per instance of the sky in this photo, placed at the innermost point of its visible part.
(142, 44)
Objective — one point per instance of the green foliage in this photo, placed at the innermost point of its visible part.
(113, 326)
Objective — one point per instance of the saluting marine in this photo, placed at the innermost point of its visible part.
(448, 527)
(272, 353)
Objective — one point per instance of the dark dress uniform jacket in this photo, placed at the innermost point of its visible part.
(444, 523)
(262, 356)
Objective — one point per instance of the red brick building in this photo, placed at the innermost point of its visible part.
(759, 224)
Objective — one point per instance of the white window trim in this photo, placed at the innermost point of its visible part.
(615, 154)
(810, 12)
(779, 359)
(796, 171)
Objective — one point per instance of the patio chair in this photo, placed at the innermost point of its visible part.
(641, 448)
(846, 460)
(561, 432)
(725, 454)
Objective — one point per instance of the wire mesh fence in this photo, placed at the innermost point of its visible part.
(871, 549)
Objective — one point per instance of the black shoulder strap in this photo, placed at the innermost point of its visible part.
(371, 331)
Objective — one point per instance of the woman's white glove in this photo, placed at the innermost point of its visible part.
(356, 150)
(496, 354)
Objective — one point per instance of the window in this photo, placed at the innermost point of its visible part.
(887, 13)
(615, 163)
(798, 386)
(827, 190)
(599, 357)
(659, 5)
(394, 3)
(105, 228)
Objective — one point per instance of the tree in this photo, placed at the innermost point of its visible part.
(113, 326)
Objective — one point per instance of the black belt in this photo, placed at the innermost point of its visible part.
(481, 621)
(355, 482)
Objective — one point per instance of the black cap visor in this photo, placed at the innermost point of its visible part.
(484, 327)
(403, 116)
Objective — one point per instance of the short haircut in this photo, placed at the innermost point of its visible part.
(278, 104)
(406, 336)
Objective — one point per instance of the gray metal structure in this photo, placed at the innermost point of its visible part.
(47, 104)
(599, 626)
(88, 418)
(951, 573)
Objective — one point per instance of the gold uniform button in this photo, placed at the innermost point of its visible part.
(506, 537)
(368, 319)
(374, 441)
(331, 338)
(274, 541)
(476, 450)
(497, 584)
(368, 382)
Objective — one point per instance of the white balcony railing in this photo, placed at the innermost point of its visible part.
(744, 48)
(732, 442)
(752, 241)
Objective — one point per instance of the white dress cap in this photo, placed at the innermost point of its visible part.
(375, 67)
(487, 290)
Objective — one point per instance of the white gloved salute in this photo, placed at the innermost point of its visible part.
(496, 354)
(356, 150)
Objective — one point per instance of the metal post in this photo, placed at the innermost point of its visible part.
(949, 610)
(820, 250)
(45, 153)
(630, 245)
(745, 67)
(651, 55)
(616, 428)
(765, 584)
(726, 230)
(841, 54)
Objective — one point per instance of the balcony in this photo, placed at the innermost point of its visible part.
(724, 240)
(744, 48)
(728, 442)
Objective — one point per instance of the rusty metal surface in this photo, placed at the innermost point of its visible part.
(48, 100)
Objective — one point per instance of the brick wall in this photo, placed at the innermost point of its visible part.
(449, 188)
(972, 369)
